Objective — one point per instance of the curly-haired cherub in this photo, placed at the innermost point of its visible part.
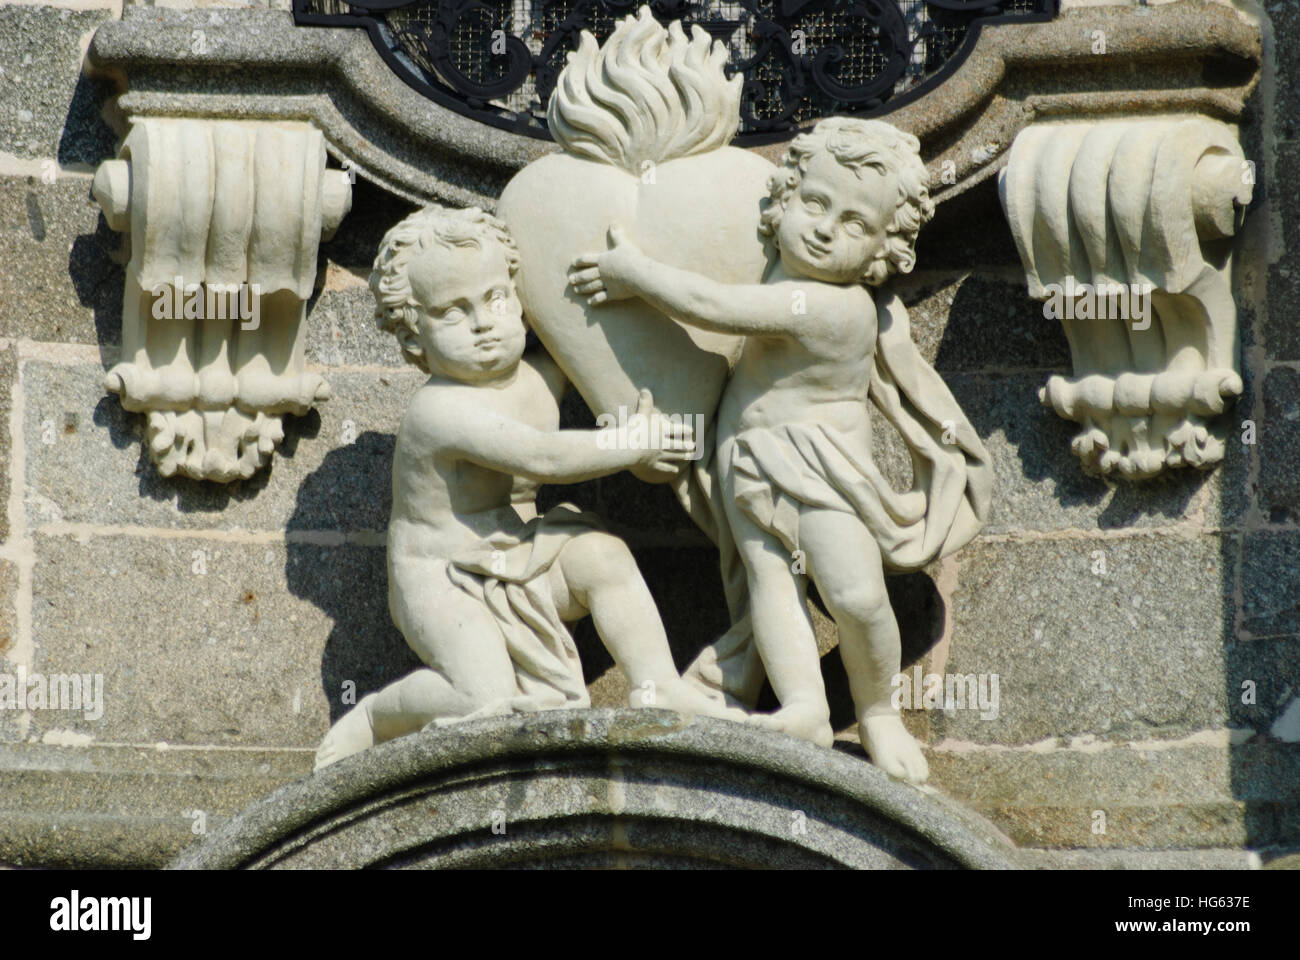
(479, 585)
(794, 431)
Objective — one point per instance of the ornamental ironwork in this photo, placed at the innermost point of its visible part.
(498, 60)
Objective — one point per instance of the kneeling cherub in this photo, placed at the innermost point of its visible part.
(479, 585)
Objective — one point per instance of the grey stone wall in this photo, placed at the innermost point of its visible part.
(226, 620)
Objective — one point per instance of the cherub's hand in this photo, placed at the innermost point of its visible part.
(670, 441)
(661, 443)
(607, 276)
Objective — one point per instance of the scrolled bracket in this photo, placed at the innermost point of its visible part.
(224, 220)
(1124, 229)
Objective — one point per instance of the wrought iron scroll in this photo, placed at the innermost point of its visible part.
(498, 60)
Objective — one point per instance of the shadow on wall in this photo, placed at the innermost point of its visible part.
(127, 429)
(1261, 567)
(348, 581)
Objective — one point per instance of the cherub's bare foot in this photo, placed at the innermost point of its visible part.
(353, 733)
(807, 720)
(684, 698)
(892, 748)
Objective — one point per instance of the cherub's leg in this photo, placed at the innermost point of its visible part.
(402, 707)
(845, 563)
(458, 639)
(783, 632)
(596, 573)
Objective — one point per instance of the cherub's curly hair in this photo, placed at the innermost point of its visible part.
(395, 305)
(856, 144)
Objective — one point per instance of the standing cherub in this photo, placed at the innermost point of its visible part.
(794, 432)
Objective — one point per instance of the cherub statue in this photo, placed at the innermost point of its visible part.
(479, 585)
(797, 480)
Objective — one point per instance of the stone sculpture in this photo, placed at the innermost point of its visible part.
(224, 220)
(1123, 229)
(716, 257)
(642, 120)
(794, 463)
(480, 586)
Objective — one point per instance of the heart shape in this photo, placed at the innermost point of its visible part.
(699, 213)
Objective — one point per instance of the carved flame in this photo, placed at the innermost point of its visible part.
(647, 94)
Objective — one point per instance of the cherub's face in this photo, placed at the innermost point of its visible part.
(834, 222)
(471, 327)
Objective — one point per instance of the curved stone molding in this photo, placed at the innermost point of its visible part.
(1123, 229)
(600, 788)
(1193, 57)
(224, 220)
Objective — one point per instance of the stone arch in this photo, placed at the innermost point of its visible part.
(601, 788)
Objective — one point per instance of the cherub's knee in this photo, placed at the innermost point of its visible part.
(479, 688)
(860, 604)
(597, 559)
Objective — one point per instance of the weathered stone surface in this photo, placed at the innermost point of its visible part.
(8, 376)
(1286, 27)
(969, 230)
(255, 651)
(61, 283)
(1282, 332)
(341, 327)
(639, 787)
(332, 471)
(1263, 679)
(115, 806)
(47, 107)
(10, 720)
(374, 212)
(1151, 796)
(1136, 652)
(966, 322)
(1278, 440)
(1039, 484)
(1138, 859)
(1270, 589)
(334, 77)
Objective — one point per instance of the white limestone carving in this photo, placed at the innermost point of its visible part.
(683, 260)
(224, 221)
(673, 99)
(480, 585)
(1123, 228)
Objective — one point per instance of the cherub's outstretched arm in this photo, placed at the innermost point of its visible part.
(564, 456)
(623, 271)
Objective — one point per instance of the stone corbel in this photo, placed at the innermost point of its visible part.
(1124, 229)
(224, 220)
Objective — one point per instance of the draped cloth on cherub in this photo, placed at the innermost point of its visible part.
(507, 574)
(777, 473)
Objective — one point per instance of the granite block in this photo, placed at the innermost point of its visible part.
(210, 641)
(1278, 447)
(1039, 484)
(1134, 652)
(1270, 583)
(64, 274)
(332, 472)
(48, 107)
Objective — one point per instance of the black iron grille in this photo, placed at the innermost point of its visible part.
(498, 60)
